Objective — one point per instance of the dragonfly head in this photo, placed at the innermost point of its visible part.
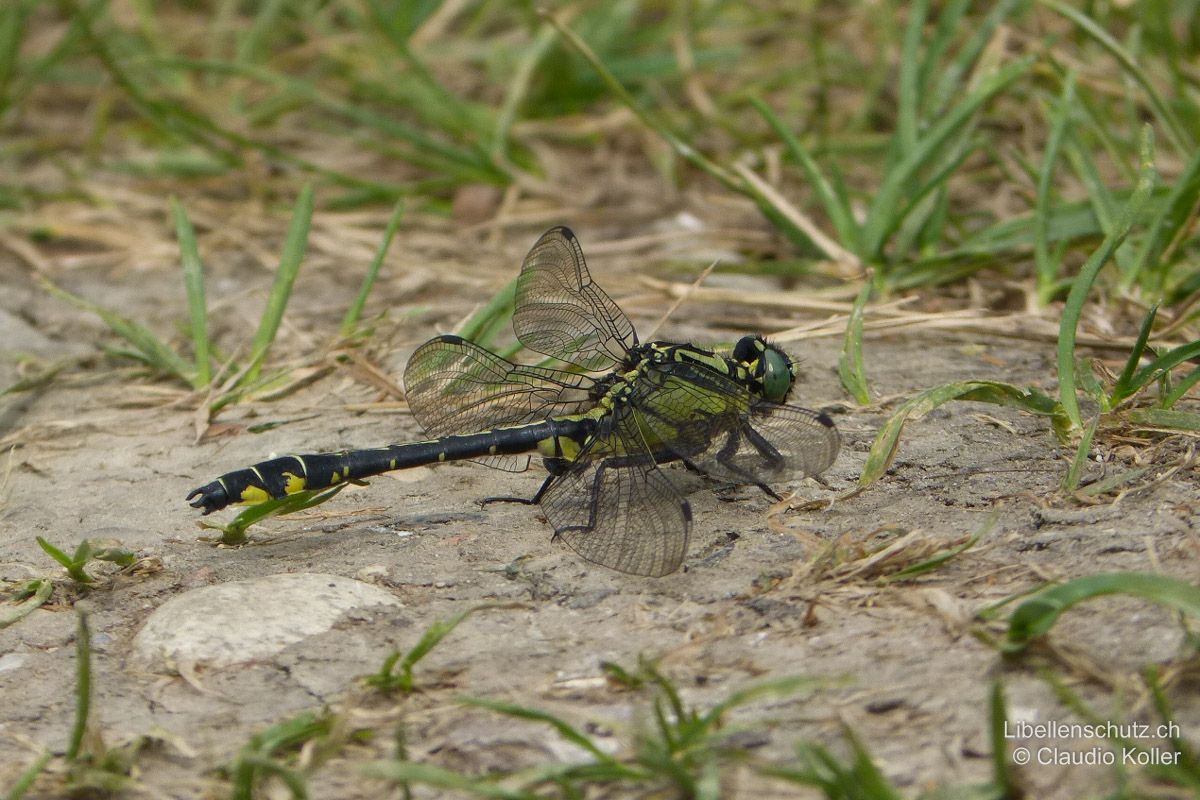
(768, 365)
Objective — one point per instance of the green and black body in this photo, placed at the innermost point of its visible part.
(602, 436)
(286, 475)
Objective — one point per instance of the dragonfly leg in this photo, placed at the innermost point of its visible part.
(769, 492)
(724, 457)
(525, 501)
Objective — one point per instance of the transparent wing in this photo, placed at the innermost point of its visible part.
(559, 312)
(721, 427)
(616, 508)
(454, 386)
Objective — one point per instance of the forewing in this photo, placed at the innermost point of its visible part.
(616, 508)
(559, 312)
(717, 424)
(454, 386)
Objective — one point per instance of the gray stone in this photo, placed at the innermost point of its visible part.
(242, 621)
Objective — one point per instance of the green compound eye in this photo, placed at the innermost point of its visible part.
(776, 371)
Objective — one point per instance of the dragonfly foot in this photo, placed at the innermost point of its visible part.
(769, 492)
(525, 501)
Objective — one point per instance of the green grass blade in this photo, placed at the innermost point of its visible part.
(681, 148)
(1068, 221)
(777, 687)
(909, 107)
(29, 595)
(234, 531)
(708, 785)
(386, 679)
(13, 17)
(1172, 223)
(495, 314)
(949, 23)
(35, 71)
(1036, 616)
(1180, 389)
(148, 348)
(1086, 380)
(1123, 387)
(1162, 704)
(834, 205)
(52, 551)
(882, 219)
(258, 766)
(868, 780)
(861, 779)
(851, 368)
(1113, 482)
(1060, 118)
(25, 780)
(1166, 418)
(38, 376)
(942, 556)
(1156, 368)
(1075, 472)
(83, 686)
(289, 733)
(281, 291)
(193, 281)
(265, 22)
(953, 73)
(887, 441)
(920, 209)
(1183, 141)
(1098, 194)
(933, 228)
(518, 88)
(564, 729)
(454, 112)
(998, 723)
(354, 312)
(257, 757)
(432, 636)
(1073, 308)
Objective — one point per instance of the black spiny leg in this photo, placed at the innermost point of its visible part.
(768, 452)
(525, 501)
(692, 466)
(593, 500)
(764, 448)
(769, 492)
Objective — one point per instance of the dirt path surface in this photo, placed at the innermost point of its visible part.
(102, 451)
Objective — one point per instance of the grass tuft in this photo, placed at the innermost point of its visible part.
(87, 551)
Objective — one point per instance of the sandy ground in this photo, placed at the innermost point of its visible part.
(102, 451)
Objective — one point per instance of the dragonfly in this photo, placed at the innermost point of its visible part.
(604, 424)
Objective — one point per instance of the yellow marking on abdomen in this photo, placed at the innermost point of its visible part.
(253, 495)
(295, 483)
